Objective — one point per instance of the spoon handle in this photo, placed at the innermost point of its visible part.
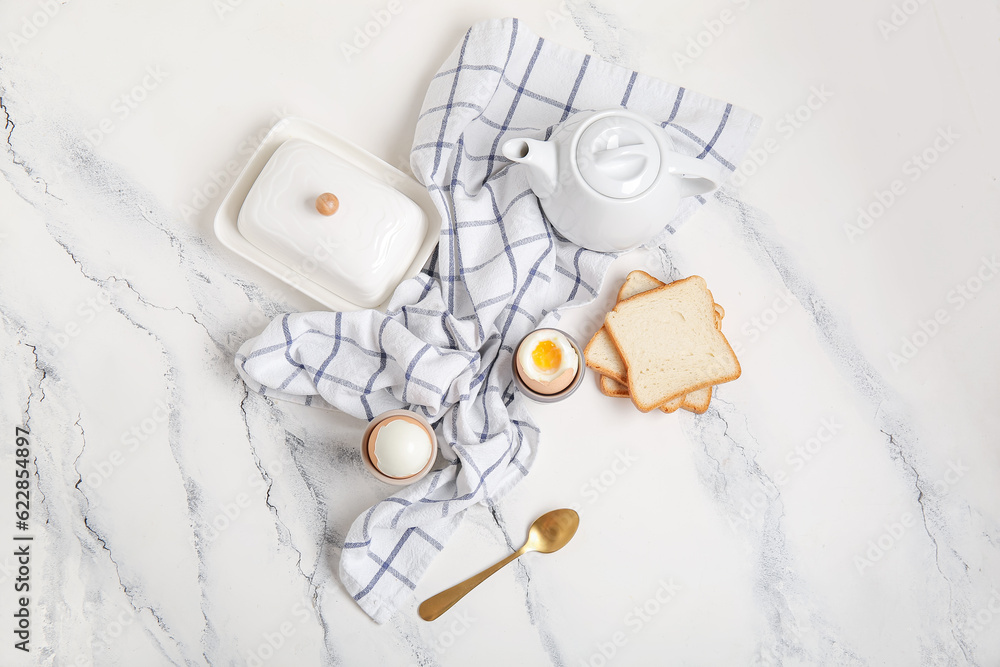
(438, 604)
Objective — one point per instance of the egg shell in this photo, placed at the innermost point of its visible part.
(553, 386)
(373, 441)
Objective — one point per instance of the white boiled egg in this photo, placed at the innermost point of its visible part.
(399, 447)
(547, 361)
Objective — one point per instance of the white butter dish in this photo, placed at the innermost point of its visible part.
(382, 233)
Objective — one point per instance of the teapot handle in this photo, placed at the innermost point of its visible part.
(696, 178)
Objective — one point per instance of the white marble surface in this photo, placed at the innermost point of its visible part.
(836, 506)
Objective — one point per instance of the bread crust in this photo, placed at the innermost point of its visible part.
(612, 387)
(698, 401)
(634, 275)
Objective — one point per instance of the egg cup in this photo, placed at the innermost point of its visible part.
(539, 397)
(398, 481)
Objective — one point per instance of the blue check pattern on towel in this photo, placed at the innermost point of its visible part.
(445, 346)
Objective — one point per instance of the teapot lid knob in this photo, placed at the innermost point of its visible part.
(618, 156)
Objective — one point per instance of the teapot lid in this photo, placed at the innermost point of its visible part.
(618, 156)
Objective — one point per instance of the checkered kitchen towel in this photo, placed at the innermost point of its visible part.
(444, 347)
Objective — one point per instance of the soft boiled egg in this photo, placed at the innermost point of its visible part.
(399, 447)
(547, 361)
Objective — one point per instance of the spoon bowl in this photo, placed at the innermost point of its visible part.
(549, 532)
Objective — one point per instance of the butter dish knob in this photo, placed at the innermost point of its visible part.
(327, 203)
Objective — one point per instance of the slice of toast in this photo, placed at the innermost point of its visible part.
(669, 343)
(602, 355)
(638, 282)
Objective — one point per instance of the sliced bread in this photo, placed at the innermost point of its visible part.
(669, 343)
(602, 355)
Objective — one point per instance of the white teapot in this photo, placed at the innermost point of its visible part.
(609, 180)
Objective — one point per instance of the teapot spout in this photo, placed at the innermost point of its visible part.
(540, 157)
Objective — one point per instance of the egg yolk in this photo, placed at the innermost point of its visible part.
(546, 356)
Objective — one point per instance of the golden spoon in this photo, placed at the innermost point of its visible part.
(550, 532)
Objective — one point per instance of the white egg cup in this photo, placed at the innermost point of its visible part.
(398, 481)
(539, 397)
